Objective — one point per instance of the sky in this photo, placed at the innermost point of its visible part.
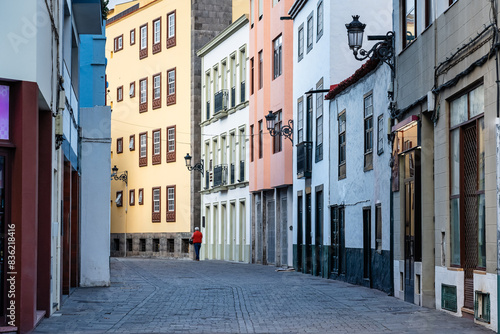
(112, 3)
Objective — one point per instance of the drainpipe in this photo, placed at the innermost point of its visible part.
(497, 128)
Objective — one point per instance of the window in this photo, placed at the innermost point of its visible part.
(378, 228)
(261, 138)
(116, 245)
(223, 76)
(119, 198)
(261, 9)
(156, 245)
(171, 144)
(143, 50)
(132, 37)
(309, 118)
(142, 245)
(119, 94)
(301, 42)
(156, 147)
(277, 140)
(277, 56)
(319, 123)
(171, 86)
(208, 95)
(156, 214)
(252, 12)
(131, 91)
(251, 76)
(233, 80)
(261, 69)
(131, 143)
(368, 114)
(157, 35)
(310, 30)
(251, 143)
(342, 145)
(170, 245)
(143, 154)
(131, 196)
(170, 204)
(185, 246)
(409, 22)
(118, 43)
(300, 121)
(380, 135)
(143, 103)
(171, 29)
(129, 245)
(157, 91)
(140, 196)
(119, 145)
(243, 74)
(338, 239)
(319, 20)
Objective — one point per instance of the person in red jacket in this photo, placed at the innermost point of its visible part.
(197, 237)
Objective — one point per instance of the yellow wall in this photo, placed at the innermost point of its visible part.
(125, 67)
(240, 7)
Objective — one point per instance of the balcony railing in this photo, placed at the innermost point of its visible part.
(220, 175)
(208, 110)
(232, 174)
(242, 171)
(233, 97)
(304, 159)
(221, 99)
(242, 91)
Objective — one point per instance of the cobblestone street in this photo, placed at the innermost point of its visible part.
(174, 296)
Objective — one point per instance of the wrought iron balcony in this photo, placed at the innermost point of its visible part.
(304, 159)
(220, 175)
(221, 100)
(242, 91)
(233, 97)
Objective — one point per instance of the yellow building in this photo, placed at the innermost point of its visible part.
(153, 77)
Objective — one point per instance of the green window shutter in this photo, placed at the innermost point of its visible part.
(449, 297)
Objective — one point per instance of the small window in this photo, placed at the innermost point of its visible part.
(319, 123)
(157, 91)
(171, 29)
(252, 12)
(252, 82)
(277, 140)
(171, 144)
(261, 69)
(277, 59)
(171, 77)
(185, 246)
(251, 143)
(143, 103)
(118, 45)
(156, 214)
(119, 145)
(300, 38)
(368, 133)
(119, 94)
(119, 199)
(129, 245)
(157, 35)
(342, 144)
(142, 245)
(300, 120)
(261, 139)
(170, 203)
(156, 245)
(156, 147)
(319, 20)
(380, 135)
(140, 196)
(261, 9)
(131, 143)
(310, 32)
(131, 196)
(132, 37)
(409, 22)
(143, 154)
(131, 92)
(170, 245)
(143, 50)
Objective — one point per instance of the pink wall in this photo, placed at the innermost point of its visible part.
(273, 170)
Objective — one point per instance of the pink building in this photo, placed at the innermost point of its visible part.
(271, 89)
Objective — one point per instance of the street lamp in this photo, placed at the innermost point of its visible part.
(123, 176)
(383, 50)
(199, 166)
(286, 130)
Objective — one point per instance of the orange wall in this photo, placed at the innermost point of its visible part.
(273, 170)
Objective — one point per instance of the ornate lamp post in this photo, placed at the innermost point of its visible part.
(286, 130)
(199, 166)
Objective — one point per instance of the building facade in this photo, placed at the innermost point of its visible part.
(155, 211)
(445, 213)
(224, 146)
(40, 155)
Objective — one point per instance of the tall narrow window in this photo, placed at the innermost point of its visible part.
(243, 74)
(368, 120)
(171, 40)
(310, 32)
(380, 135)
(251, 76)
(157, 91)
(342, 142)
(132, 36)
(251, 143)
(131, 196)
(233, 80)
(119, 94)
(143, 152)
(261, 69)
(157, 35)
(277, 140)
(171, 203)
(409, 22)
(156, 214)
(156, 147)
(118, 43)
(319, 20)
(171, 144)
(119, 145)
(143, 103)
(252, 12)
(300, 120)
(208, 93)
(119, 198)
(143, 50)
(378, 227)
(261, 139)
(171, 76)
(131, 91)
(261, 9)
(300, 38)
(309, 117)
(319, 123)
(140, 196)
(277, 56)
(131, 144)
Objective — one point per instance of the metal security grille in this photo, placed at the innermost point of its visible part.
(284, 232)
(335, 240)
(449, 297)
(271, 233)
(470, 212)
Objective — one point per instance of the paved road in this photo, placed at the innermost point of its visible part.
(175, 296)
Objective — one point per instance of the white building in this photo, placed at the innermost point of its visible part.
(320, 37)
(224, 131)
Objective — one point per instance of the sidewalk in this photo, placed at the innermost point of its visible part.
(173, 296)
